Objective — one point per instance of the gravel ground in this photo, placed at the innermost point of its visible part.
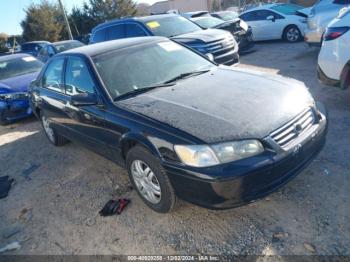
(53, 207)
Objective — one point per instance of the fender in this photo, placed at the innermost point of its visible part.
(128, 140)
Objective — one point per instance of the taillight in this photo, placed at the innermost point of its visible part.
(335, 32)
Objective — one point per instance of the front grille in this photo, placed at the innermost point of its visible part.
(221, 46)
(293, 129)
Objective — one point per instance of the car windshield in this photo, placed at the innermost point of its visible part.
(142, 67)
(61, 47)
(207, 22)
(228, 15)
(171, 26)
(287, 9)
(19, 66)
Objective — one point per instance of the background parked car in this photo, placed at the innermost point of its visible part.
(50, 50)
(16, 73)
(226, 15)
(237, 27)
(334, 57)
(275, 21)
(321, 14)
(33, 48)
(212, 42)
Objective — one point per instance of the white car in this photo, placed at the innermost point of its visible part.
(321, 14)
(276, 21)
(334, 57)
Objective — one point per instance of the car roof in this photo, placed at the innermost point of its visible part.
(13, 56)
(262, 7)
(37, 42)
(65, 41)
(104, 47)
(133, 19)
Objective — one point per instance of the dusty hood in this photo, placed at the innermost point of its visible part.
(225, 104)
(206, 36)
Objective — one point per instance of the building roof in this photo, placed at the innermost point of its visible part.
(105, 47)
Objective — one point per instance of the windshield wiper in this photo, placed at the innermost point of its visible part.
(186, 75)
(141, 91)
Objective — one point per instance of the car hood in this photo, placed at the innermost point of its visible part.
(17, 84)
(206, 36)
(226, 104)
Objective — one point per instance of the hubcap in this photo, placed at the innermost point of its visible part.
(293, 35)
(146, 181)
(48, 129)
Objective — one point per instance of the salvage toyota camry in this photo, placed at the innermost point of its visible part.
(183, 127)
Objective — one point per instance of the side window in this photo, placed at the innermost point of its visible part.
(51, 51)
(264, 14)
(250, 16)
(43, 51)
(53, 76)
(99, 36)
(78, 77)
(116, 32)
(134, 30)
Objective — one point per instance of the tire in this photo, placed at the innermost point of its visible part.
(345, 78)
(292, 34)
(51, 133)
(152, 184)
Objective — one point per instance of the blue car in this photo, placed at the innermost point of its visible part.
(16, 73)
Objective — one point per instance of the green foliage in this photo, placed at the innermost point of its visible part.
(43, 21)
(3, 40)
(95, 12)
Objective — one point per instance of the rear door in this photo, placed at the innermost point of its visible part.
(52, 97)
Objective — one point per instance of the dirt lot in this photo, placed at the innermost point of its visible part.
(53, 207)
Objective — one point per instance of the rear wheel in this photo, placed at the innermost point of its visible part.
(292, 34)
(345, 78)
(51, 133)
(150, 180)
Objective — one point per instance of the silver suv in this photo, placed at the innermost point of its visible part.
(321, 14)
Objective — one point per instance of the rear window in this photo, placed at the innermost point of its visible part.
(30, 47)
(171, 26)
(99, 36)
(61, 47)
(19, 66)
(287, 9)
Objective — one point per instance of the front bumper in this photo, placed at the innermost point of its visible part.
(313, 37)
(245, 42)
(230, 57)
(238, 183)
(11, 110)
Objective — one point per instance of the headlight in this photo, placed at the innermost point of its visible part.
(205, 155)
(10, 96)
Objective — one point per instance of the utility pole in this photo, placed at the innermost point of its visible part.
(66, 20)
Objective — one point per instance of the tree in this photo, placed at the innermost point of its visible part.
(143, 9)
(43, 21)
(216, 5)
(3, 41)
(95, 12)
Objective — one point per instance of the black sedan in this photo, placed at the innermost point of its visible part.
(182, 126)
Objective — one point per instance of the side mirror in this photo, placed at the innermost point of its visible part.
(84, 99)
(271, 18)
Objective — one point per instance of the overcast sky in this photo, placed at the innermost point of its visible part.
(11, 12)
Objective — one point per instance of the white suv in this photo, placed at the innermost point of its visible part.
(334, 58)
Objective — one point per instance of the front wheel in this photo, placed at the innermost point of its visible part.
(150, 180)
(292, 34)
(51, 133)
